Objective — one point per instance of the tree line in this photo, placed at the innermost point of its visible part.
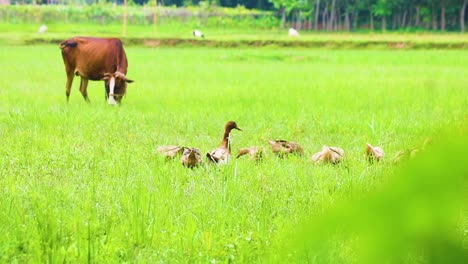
(331, 15)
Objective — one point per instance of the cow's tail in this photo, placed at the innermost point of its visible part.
(68, 43)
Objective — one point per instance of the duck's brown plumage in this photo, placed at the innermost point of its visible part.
(170, 151)
(254, 153)
(283, 147)
(223, 152)
(333, 155)
(411, 152)
(405, 154)
(374, 153)
(191, 157)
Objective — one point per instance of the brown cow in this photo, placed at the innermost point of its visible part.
(96, 59)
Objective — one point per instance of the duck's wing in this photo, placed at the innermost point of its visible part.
(337, 151)
(279, 146)
(374, 153)
(170, 151)
(243, 151)
(318, 157)
(191, 161)
(336, 155)
(293, 147)
(219, 155)
(378, 153)
(197, 156)
(258, 154)
(192, 157)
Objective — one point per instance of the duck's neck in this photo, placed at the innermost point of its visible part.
(225, 142)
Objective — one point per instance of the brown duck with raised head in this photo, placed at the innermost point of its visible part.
(283, 148)
(191, 157)
(222, 154)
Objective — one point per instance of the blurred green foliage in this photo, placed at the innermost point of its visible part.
(106, 13)
(418, 216)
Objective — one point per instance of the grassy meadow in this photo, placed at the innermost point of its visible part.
(181, 34)
(83, 182)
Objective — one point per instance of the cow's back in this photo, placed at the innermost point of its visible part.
(91, 57)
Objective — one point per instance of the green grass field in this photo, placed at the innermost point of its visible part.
(84, 182)
(181, 34)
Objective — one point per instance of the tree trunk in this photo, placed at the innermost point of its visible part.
(418, 17)
(434, 18)
(462, 17)
(403, 19)
(356, 15)
(384, 23)
(332, 16)
(346, 22)
(409, 18)
(371, 18)
(394, 21)
(124, 24)
(299, 20)
(283, 17)
(317, 8)
(324, 18)
(155, 16)
(442, 15)
(337, 19)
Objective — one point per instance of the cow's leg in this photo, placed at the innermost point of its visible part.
(111, 99)
(70, 77)
(83, 88)
(106, 91)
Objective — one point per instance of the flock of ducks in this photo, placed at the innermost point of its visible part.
(192, 157)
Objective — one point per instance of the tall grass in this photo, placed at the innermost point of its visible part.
(84, 183)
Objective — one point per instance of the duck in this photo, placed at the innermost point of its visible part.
(374, 153)
(191, 158)
(333, 155)
(283, 148)
(411, 152)
(254, 153)
(293, 33)
(42, 29)
(197, 33)
(170, 151)
(222, 154)
(406, 154)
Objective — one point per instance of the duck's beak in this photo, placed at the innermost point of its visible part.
(239, 128)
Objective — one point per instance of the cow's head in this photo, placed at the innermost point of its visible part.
(116, 86)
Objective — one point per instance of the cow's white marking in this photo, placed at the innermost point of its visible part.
(111, 91)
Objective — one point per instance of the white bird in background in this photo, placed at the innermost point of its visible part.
(293, 33)
(42, 29)
(198, 34)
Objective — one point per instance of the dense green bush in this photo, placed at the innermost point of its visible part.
(207, 16)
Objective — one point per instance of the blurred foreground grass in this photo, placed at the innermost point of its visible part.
(419, 216)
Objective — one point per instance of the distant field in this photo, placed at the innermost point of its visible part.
(84, 183)
(218, 37)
